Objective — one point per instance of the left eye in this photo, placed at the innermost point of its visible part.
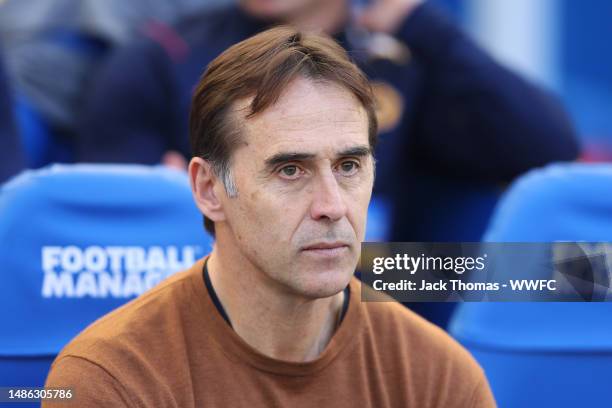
(348, 167)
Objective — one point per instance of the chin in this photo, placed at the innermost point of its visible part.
(322, 283)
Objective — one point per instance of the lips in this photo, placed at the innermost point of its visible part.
(326, 246)
(326, 250)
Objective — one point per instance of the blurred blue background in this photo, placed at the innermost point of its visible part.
(562, 44)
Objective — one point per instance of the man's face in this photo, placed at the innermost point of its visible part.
(304, 176)
(278, 10)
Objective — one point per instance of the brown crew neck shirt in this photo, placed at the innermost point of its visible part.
(172, 348)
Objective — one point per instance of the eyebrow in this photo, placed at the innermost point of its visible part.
(285, 157)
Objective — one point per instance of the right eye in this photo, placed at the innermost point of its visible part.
(290, 172)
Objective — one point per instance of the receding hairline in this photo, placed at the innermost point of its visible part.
(239, 111)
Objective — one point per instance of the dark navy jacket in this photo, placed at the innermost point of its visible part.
(464, 116)
(11, 156)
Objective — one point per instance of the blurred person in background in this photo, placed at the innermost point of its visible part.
(11, 156)
(444, 105)
(53, 48)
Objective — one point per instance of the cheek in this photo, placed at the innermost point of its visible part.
(266, 217)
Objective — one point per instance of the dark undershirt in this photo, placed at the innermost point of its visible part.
(219, 306)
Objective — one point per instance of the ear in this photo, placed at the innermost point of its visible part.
(203, 183)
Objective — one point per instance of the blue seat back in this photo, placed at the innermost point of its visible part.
(77, 241)
(546, 354)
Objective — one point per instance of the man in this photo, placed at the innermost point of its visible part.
(282, 129)
(447, 109)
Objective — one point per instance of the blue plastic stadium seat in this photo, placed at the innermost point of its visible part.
(546, 354)
(77, 241)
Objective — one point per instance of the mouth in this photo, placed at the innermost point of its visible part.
(327, 249)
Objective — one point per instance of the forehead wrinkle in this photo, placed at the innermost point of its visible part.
(316, 120)
(286, 116)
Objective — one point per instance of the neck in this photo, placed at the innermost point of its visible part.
(274, 322)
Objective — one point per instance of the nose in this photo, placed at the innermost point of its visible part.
(327, 200)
